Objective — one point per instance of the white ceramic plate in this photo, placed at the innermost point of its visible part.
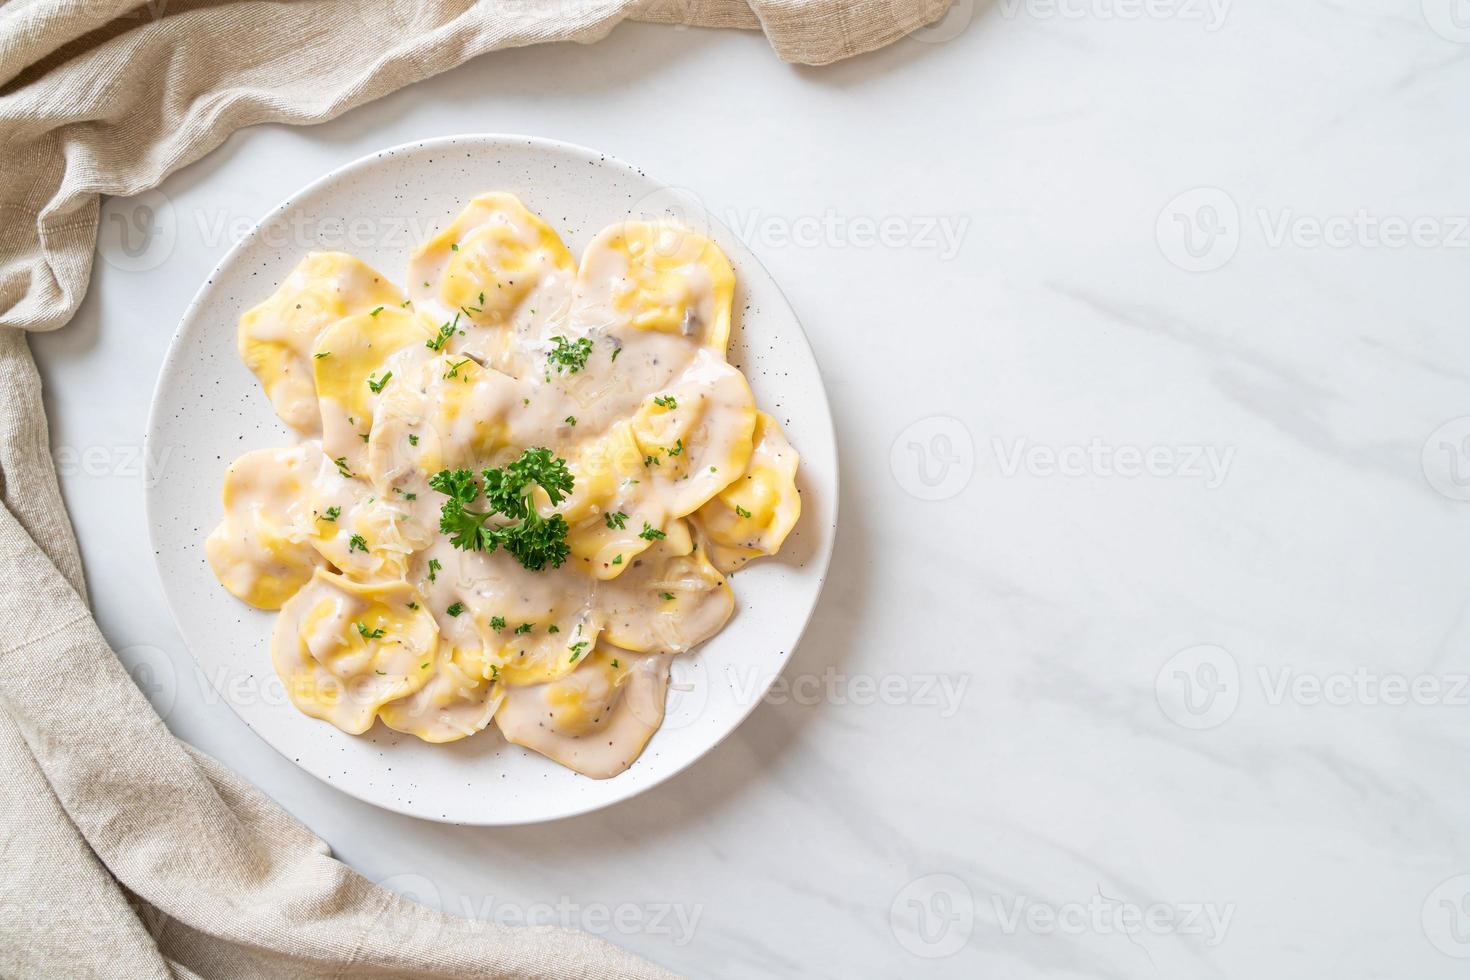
(208, 409)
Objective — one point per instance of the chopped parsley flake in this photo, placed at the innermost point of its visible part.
(356, 543)
(616, 520)
(651, 533)
(524, 628)
(332, 514)
(434, 567)
(666, 401)
(446, 330)
(455, 609)
(497, 623)
(369, 634)
(742, 512)
(376, 385)
(568, 356)
(577, 649)
(666, 596)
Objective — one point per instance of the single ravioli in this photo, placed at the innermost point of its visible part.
(496, 275)
(355, 361)
(595, 720)
(752, 516)
(670, 601)
(656, 276)
(530, 626)
(605, 510)
(277, 337)
(459, 699)
(259, 551)
(365, 534)
(697, 436)
(344, 649)
(531, 642)
(469, 413)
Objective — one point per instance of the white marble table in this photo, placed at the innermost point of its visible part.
(1145, 648)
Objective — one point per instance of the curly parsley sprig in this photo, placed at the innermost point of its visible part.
(533, 540)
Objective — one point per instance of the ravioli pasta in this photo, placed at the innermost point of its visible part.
(502, 343)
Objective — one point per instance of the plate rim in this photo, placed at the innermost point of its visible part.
(174, 352)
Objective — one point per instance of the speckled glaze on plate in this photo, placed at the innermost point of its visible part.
(208, 409)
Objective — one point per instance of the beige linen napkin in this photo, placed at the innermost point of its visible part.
(124, 852)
